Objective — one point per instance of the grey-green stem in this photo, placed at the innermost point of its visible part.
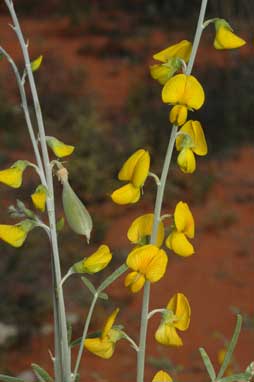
(158, 204)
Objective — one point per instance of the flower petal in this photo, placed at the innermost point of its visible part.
(167, 335)
(109, 323)
(162, 376)
(157, 266)
(173, 90)
(178, 115)
(194, 95)
(184, 221)
(141, 170)
(126, 194)
(182, 50)
(39, 198)
(179, 244)
(12, 177)
(225, 38)
(13, 235)
(161, 73)
(186, 161)
(141, 227)
(180, 306)
(59, 148)
(101, 348)
(128, 167)
(98, 260)
(135, 281)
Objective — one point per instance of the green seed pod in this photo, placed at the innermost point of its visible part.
(76, 213)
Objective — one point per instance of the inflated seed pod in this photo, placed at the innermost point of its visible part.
(76, 213)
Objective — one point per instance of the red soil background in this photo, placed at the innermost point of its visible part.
(220, 274)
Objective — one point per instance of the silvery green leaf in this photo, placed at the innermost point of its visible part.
(41, 374)
(76, 213)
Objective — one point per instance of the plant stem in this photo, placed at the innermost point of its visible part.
(62, 337)
(146, 295)
(158, 205)
(87, 323)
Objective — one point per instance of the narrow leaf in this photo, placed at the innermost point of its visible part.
(89, 285)
(109, 280)
(231, 347)
(7, 378)
(236, 377)
(208, 364)
(36, 63)
(41, 374)
(103, 296)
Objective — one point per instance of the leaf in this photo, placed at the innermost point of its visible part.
(208, 364)
(236, 377)
(89, 285)
(7, 378)
(103, 296)
(41, 374)
(110, 279)
(231, 347)
(36, 63)
(60, 224)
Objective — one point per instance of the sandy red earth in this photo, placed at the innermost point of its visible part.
(220, 274)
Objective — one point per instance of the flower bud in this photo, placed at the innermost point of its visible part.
(59, 148)
(94, 263)
(39, 198)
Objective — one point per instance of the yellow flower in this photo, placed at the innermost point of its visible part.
(148, 263)
(171, 61)
(190, 140)
(15, 235)
(39, 198)
(141, 230)
(95, 262)
(104, 345)
(183, 226)
(225, 38)
(176, 316)
(135, 171)
(185, 91)
(162, 376)
(59, 148)
(13, 176)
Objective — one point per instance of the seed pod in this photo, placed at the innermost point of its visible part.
(76, 213)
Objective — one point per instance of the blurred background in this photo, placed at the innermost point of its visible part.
(96, 93)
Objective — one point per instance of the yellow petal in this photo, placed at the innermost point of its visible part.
(141, 170)
(178, 115)
(141, 228)
(225, 38)
(179, 244)
(180, 306)
(186, 161)
(184, 221)
(98, 260)
(39, 198)
(101, 348)
(195, 140)
(11, 177)
(167, 335)
(135, 281)
(184, 90)
(35, 65)
(127, 170)
(126, 194)
(59, 148)
(157, 266)
(13, 235)
(162, 376)
(109, 323)
(182, 50)
(161, 73)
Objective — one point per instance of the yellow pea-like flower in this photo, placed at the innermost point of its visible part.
(39, 198)
(135, 171)
(12, 176)
(191, 139)
(225, 38)
(175, 317)
(95, 262)
(184, 227)
(171, 61)
(104, 345)
(59, 148)
(148, 263)
(186, 91)
(15, 235)
(141, 230)
(162, 376)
